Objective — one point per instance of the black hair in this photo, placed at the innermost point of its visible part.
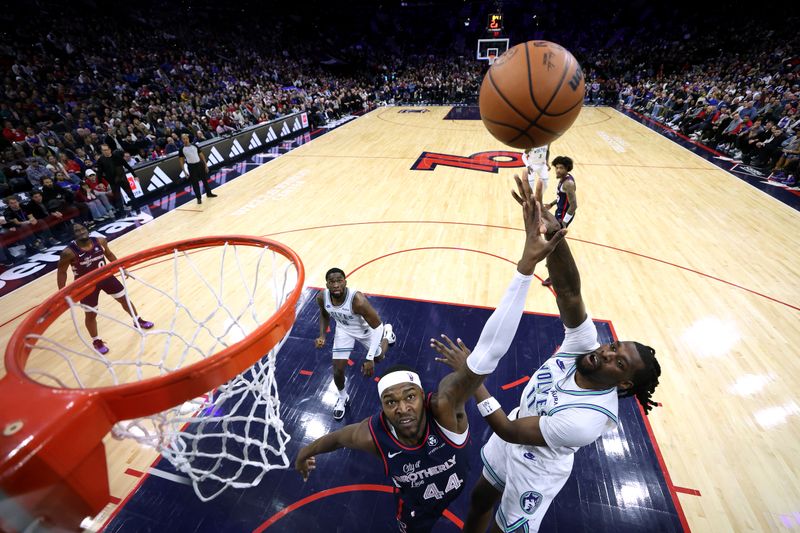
(563, 160)
(397, 368)
(645, 380)
(334, 270)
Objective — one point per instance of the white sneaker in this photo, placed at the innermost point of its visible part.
(340, 407)
(388, 334)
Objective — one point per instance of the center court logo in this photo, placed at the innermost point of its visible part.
(482, 161)
(529, 501)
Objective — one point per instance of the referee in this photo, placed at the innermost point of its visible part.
(198, 169)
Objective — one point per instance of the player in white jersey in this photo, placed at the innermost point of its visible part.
(356, 320)
(536, 161)
(570, 401)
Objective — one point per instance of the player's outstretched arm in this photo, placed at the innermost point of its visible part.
(324, 321)
(567, 286)
(563, 270)
(537, 248)
(354, 436)
(521, 431)
(361, 306)
(498, 332)
(64, 260)
(106, 250)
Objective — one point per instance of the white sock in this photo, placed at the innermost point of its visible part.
(343, 394)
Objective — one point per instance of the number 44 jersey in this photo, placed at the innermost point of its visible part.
(428, 476)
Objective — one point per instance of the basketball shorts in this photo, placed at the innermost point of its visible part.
(344, 340)
(539, 170)
(421, 519)
(529, 483)
(419, 522)
(110, 286)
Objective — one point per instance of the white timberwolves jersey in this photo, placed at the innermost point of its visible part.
(344, 315)
(536, 156)
(552, 389)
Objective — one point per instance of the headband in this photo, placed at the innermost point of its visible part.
(397, 377)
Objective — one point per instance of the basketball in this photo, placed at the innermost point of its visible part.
(531, 94)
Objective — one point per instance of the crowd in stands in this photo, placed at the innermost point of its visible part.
(136, 84)
(734, 94)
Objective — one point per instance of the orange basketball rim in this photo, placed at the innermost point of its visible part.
(52, 459)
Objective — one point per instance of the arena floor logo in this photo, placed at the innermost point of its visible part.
(482, 161)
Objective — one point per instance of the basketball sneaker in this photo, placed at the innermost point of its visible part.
(388, 334)
(144, 324)
(340, 407)
(100, 346)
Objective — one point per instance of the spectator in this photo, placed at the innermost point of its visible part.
(36, 172)
(99, 212)
(55, 220)
(32, 232)
(63, 201)
(101, 189)
(112, 167)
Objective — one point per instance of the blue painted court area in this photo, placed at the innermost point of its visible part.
(616, 485)
(470, 112)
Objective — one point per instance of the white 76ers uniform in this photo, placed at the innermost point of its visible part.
(350, 327)
(571, 417)
(536, 161)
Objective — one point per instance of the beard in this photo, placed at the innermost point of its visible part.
(413, 433)
(585, 367)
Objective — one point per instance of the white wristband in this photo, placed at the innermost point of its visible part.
(567, 218)
(488, 406)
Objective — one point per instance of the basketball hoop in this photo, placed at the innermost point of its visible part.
(491, 58)
(225, 327)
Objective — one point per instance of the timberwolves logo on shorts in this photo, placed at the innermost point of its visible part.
(529, 501)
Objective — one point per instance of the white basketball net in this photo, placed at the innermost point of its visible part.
(231, 436)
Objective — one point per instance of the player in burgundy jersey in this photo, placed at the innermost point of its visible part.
(85, 254)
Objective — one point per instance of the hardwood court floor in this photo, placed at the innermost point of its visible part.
(674, 251)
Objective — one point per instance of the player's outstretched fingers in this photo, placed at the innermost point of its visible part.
(537, 218)
(519, 194)
(557, 238)
(453, 355)
(463, 346)
(368, 368)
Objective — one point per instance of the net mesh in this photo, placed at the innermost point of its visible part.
(231, 436)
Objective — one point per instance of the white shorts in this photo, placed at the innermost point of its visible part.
(537, 170)
(528, 483)
(344, 340)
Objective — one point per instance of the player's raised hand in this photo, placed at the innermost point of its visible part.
(524, 197)
(305, 465)
(452, 354)
(368, 368)
(536, 246)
